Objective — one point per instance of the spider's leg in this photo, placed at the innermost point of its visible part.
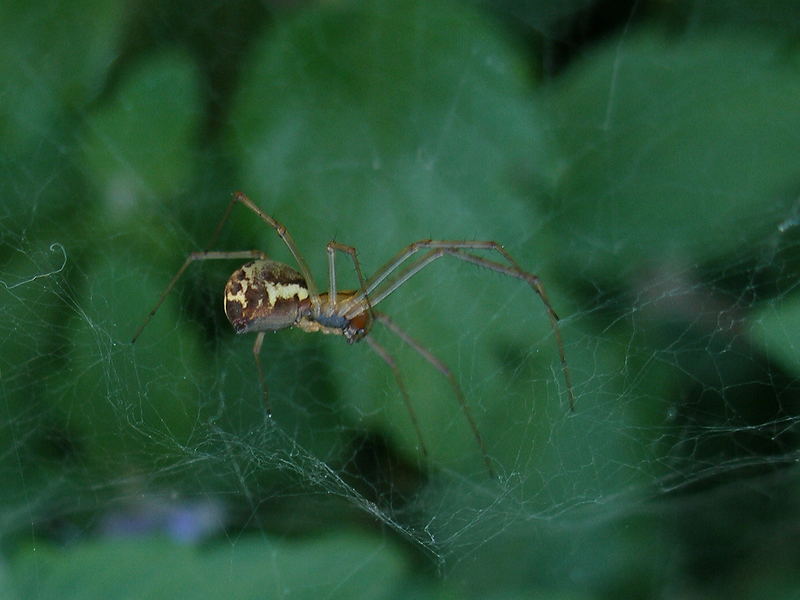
(382, 292)
(287, 239)
(261, 381)
(194, 256)
(444, 370)
(351, 251)
(389, 359)
(378, 289)
(536, 284)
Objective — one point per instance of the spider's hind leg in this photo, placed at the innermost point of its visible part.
(536, 284)
(444, 370)
(389, 360)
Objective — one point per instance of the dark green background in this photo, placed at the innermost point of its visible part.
(641, 158)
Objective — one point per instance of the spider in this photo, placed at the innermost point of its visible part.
(265, 295)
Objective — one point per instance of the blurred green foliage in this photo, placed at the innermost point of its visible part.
(640, 159)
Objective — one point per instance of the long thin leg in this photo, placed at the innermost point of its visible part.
(375, 280)
(416, 266)
(389, 359)
(261, 381)
(439, 248)
(537, 285)
(280, 229)
(388, 288)
(194, 256)
(351, 251)
(444, 370)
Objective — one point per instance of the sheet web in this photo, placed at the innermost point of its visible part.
(672, 265)
(550, 473)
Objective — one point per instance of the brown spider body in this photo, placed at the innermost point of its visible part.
(264, 295)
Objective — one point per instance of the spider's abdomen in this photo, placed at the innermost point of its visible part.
(264, 295)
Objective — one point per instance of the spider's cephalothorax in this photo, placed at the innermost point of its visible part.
(264, 295)
(353, 328)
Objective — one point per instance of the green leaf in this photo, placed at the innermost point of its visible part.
(679, 149)
(138, 145)
(339, 566)
(53, 57)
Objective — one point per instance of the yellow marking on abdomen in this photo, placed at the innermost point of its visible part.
(284, 291)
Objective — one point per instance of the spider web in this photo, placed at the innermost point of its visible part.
(649, 179)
